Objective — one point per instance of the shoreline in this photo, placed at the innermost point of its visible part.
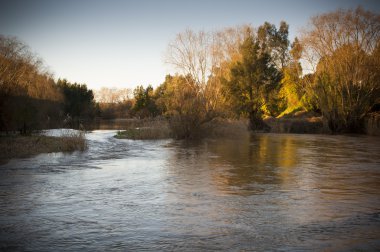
(17, 146)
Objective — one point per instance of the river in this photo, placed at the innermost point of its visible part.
(263, 192)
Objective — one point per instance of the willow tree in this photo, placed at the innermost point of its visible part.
(342, 47)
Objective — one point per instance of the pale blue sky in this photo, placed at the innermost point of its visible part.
(122, 43)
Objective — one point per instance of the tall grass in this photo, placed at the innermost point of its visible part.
(17, 146)
(72, 140)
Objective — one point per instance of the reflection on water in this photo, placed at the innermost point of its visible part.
(257, 192)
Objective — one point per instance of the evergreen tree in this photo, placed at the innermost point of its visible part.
(251, 80)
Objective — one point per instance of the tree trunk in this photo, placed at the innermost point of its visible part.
(256, 123)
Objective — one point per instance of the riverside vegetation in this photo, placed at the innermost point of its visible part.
(236, 73)
(13, 146)
(256, 73)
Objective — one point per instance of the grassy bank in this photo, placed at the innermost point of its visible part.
(146, 130)
(27, 146)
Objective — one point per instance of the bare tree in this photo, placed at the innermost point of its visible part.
(113, 95)
(190, 54)
(206, 57)
(330, 31)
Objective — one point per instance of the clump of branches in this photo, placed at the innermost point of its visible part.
(344, 49)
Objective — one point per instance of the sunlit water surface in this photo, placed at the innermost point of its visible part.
(252, 193)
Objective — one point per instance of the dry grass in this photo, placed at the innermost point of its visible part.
(73, 140)
(27, 146)
(146, 130)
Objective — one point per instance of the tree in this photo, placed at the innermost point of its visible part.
(341, 46)
(198, 56)
(29, 98)
(22, 73)
(275, 41)
(276, 44)
(292, 91)
(78, 100)
(347, 86)
(113, 95)
(190, 53)
(251, 80)
(145, 105)
(183, 105)
(114, 103)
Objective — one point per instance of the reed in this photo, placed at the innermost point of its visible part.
(72, 140)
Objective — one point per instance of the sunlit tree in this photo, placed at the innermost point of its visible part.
(183, 105)
(341, 46)
(252, 78)
(29, 97)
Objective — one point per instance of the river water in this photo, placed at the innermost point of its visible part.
(259, 192)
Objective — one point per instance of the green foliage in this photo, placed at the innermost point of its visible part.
(252, 79)
(291, 90)
(78, 100)
(145, 105)
(275, 42)
(292, 94)
(245, 72)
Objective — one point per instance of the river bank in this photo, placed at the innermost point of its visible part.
(298, 123)
(311, 123)
(16, 146)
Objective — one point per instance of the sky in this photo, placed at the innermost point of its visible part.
(122, 44)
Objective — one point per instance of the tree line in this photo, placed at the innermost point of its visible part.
(333, 69)
(257, 72)
(30, 99)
